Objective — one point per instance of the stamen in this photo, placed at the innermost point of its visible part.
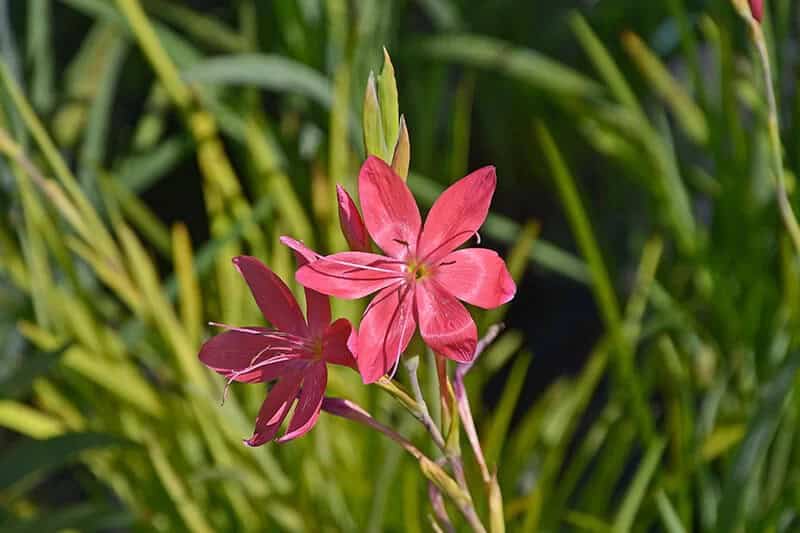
(271, 361)
(447, 263)
(364, 267)
(273, 334)
(235, 328)
(478, 237)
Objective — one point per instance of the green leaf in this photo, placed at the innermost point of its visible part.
(270, 72)
(527, 66)
(669, 516)
(751, 452)
(81, 517)
(638, 487)
(28, 458)
(497, 433)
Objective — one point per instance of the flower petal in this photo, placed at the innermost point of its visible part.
(457, 214)
(309, 401)
(353, 228)
(334, 344)
(275, 408)
(385, 331)
(390, 211)
(318, 306)
(444, 322)
(236, 355)
(477, 276)
(272, 296)
(350, 274)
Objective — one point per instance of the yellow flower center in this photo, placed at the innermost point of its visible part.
(418, 271)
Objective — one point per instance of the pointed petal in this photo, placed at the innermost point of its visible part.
(318, 306)
(272, 296)
(457, 214)
(444, 322)
(309, 401)
(234, 354)
(385, 331)
(477, 276)
(390, 212)
(353, 228)
(274, 409)
(350, 274)
(335, 347)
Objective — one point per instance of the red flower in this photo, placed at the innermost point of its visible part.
(294, 352)
(757, 9)
(422, 277)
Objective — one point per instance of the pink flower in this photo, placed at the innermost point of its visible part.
(422, 277)
(757, 9)
(294, 352)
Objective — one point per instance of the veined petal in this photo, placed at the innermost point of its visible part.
(350, 274)
(309, 401)
(275, 408)
(390, 211)
(457, 214)
(477, 276)
(334, 344)
(445, 324)
(272, 296)
(353, 228)
(236, 355)
(385, 331)
(318, 306)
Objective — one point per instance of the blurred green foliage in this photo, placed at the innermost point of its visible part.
(640, 127)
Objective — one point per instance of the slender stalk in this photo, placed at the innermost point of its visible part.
(412, 364)
(430, 469)
(464, 407)
(776, 149)
(492, 487)
(453, 459)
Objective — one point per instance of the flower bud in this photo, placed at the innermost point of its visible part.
(402, 151)
(353, 228)
(757, 9)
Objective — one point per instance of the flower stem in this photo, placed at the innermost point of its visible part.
(462, 401)
(785, 206)
(452, 456)
(430, 469)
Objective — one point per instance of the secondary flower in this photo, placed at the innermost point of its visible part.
(294, 352)
(422, 277)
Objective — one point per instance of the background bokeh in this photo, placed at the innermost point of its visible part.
(646, 379)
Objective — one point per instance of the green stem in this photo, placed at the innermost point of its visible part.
(776, 149)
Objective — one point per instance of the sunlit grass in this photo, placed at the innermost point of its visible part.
(649, 131)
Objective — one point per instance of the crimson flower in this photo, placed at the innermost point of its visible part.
(294, 352)
(422, 277)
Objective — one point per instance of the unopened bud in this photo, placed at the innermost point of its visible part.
(757, 9)
(353, 228)
(402, 151)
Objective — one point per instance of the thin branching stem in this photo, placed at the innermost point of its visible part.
(453, 460)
